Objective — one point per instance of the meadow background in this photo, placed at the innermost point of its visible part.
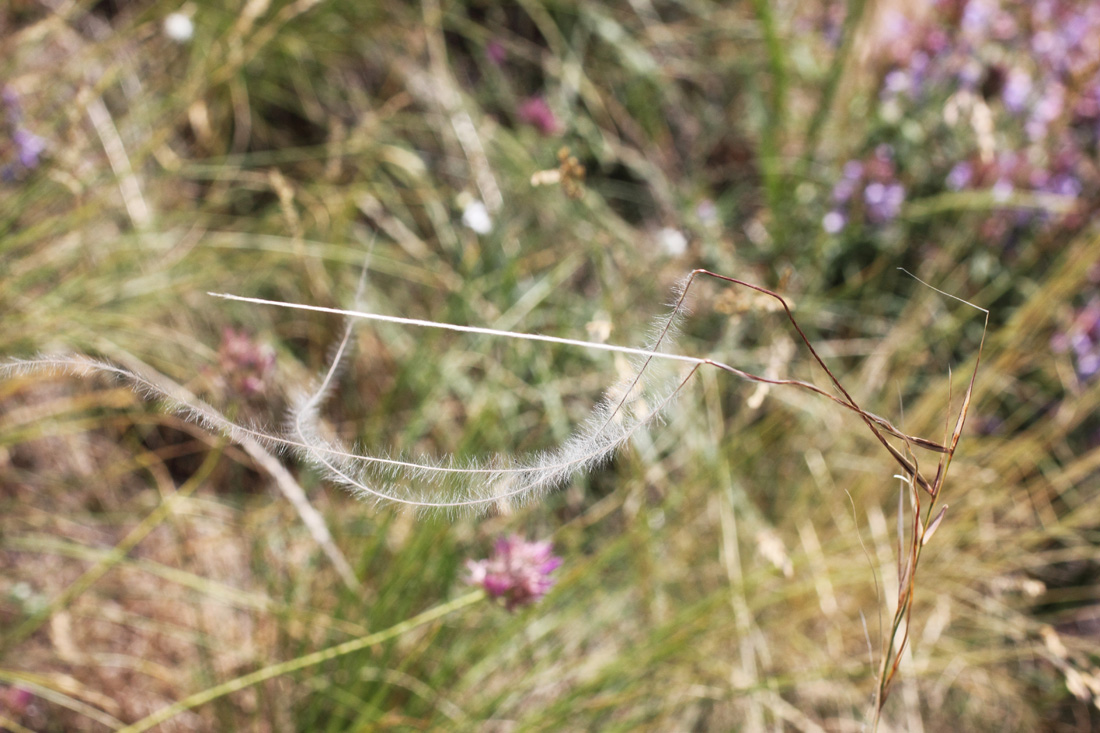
(728, 571)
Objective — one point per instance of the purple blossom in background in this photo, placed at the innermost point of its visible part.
(1046, 110)
(1002, 190)
(977, 17)
(518, 571)
(960, 176)
(850, 177)
(1063, 185)
(883, 201)
(28, 146)
(1083, 339)
(1013, 171)
(896, 82)
(246, 365)
(537, 113)
(831, 23)
(969, 74)
(1017, 90)
(834, 222)
(496, 53)
(1011, 88)
(967, 45)
(896, 28)
(1065, 39)
(14, 702)
(882, 195)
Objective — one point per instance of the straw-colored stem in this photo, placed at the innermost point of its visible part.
(293, 665)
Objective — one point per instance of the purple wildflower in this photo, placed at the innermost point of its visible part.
(831, 23)
(883, 201)
(960, 176)
(849, 181)
(869, 186)
(1002, 190)
(977, 16)
(14, 701)
(1083, 339)
(970, 74)
(1004, 27)
(896, 82)
(1016, 91)
(496, 53)
(246, 365)
(518, 571)
(1046, 110)
(29, 146)
(834, 221)
(1063, 185)
(537, 113)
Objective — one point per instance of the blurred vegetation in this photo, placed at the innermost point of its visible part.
(728, 571)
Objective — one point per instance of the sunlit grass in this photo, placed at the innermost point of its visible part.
(727, 571)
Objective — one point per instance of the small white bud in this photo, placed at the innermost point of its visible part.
(179, 27)
(476, 217)
(672, 241)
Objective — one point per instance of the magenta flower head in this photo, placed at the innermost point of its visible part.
(14, 701)
(246, 365)
(518, 571)
(496, 53)
(537, 113)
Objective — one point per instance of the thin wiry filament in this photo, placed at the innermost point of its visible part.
(446, 483)
(449, 483)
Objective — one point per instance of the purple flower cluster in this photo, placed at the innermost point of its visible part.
(28, 146)
(1083, 339)
(1064, 40)
(869, 187)
(518, 571)
(1010, 93)
(1040, 60)
(914, 56)
(1013, 170)
(960, 46)
(246, 365)
(537, 113)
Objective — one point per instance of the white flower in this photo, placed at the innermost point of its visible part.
(672, 241)
(179, 27)
(476, 217)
